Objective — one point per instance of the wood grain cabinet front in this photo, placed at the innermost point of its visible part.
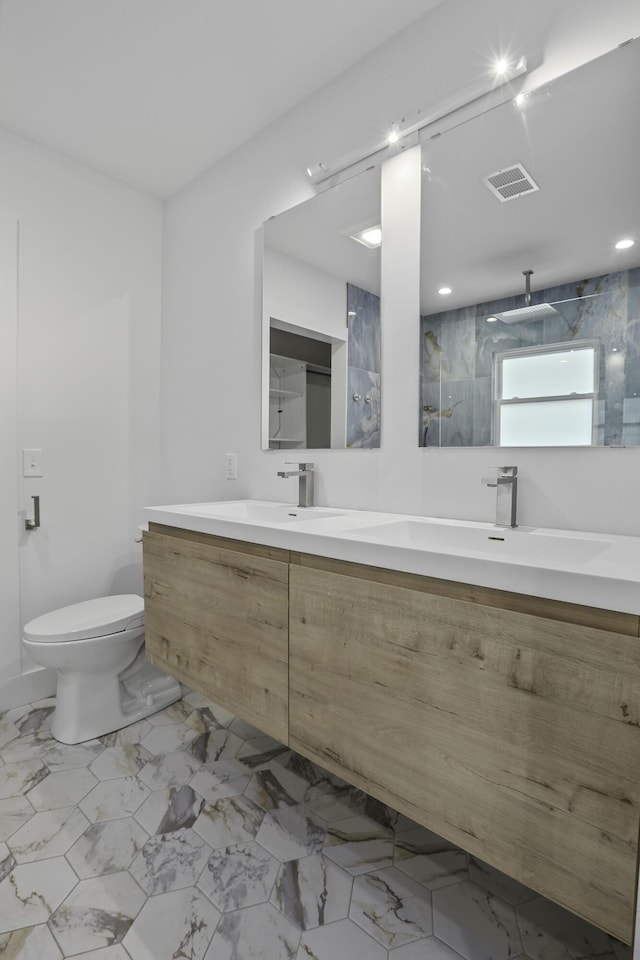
(216, 617)
(506, 724)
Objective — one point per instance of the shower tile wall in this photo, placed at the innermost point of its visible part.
(363, 375)
(458, 347)
(192, 835)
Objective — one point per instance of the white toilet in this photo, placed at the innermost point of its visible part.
(104, 681)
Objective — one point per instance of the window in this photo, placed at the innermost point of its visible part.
(546, 396)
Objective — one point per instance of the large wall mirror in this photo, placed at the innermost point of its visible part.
(321, 320)
(535, 194)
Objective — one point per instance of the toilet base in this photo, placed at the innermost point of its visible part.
(90, 706)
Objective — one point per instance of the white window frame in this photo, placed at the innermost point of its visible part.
(499, 402)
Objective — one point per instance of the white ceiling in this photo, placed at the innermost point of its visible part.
(152, 92)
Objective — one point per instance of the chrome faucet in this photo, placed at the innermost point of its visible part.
(305, 482)
(506, 483)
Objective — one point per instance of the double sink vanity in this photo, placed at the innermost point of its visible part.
(484, 681)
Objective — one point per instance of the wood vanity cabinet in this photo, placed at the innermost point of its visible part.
(216, 617)
(505, 723)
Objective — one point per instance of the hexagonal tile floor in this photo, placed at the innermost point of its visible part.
(192, 835)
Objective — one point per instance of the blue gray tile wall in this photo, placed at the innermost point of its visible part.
(363, 413)
(458, 348)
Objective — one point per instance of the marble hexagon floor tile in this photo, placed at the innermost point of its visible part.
(17, 779)
(259, 932)
(62, 789)
(66, 756)
(226, 778)
(212, 745)
(475, 923)
(32, 891)
(391, 907)
(122, 760)
(176, 925)
(312, 891)
(429, 949)
(359, 844)
(169, 770)
(429, 859)
(48, 834)
(166, 739)
(275, 786)
(550, 933)
(341, 939)
(14, 812)
(170, 861)
(498, 883)
(239, 876)
(116, 952)
(290, 833)
(113, 799)
(164, 811)
(107, 847)
(97, 913)
(229, 821)
(30, 943)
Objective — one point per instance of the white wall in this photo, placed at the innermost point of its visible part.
(88, 372)
(211, 311)
(9, 585)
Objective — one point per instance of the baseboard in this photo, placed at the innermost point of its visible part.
(27, 688)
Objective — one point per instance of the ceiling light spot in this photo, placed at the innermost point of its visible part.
(371, 237)
(625, 243)
(492, 319)
(444, 291)
(501, 66)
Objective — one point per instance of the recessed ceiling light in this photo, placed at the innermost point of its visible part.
(394, 134)
(492, 319)
(445, 290)
(501, 66)
(625, 243)
(371, 237)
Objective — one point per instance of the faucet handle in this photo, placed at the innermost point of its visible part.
(305, 465)
(504, 471)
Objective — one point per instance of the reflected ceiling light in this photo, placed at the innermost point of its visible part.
(394, 134)
(370, 237)
(316, 172)
(445, 290)
(625, 243)
(412, 123)
(520, 100)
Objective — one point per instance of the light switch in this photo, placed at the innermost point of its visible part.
(32, 463)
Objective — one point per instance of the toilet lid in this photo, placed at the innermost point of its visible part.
(91, 618)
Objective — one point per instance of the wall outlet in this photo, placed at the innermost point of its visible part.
(32, 463)
(230, 466)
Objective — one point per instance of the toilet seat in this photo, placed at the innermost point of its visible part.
(100, 617)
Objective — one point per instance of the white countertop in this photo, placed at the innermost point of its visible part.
(597, 570)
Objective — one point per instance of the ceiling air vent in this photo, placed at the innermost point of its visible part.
(510, 183)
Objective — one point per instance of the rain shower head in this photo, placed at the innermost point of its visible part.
(535, 311)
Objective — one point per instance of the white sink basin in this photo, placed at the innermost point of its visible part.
(533, 546)
(254, 511)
